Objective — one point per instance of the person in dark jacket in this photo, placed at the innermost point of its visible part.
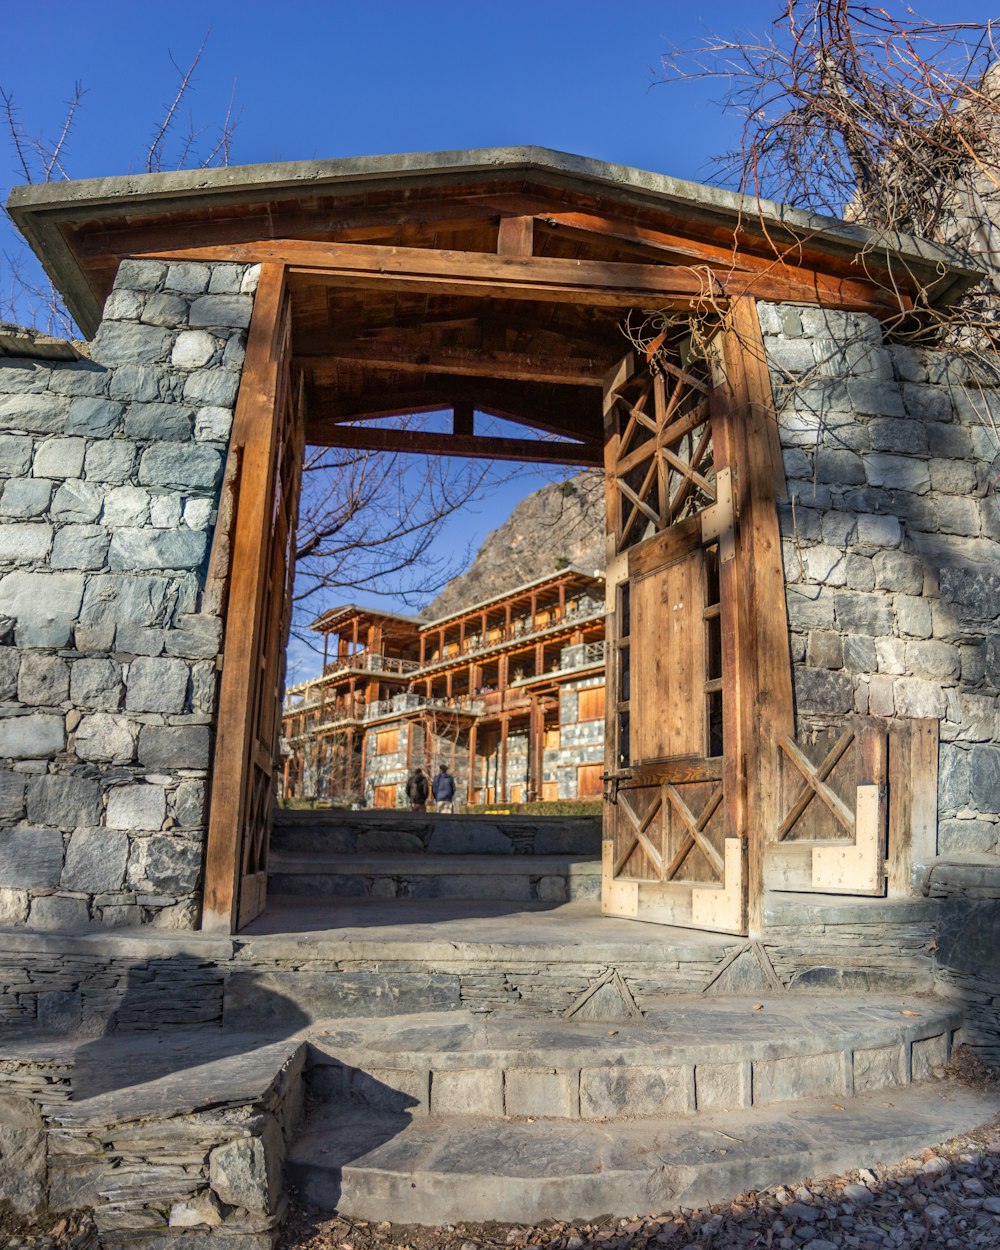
(443, 787)
(417, 790)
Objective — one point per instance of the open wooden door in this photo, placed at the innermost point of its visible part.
(266, 453)
(673, 850)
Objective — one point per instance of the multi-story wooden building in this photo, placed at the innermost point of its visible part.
(508, 693)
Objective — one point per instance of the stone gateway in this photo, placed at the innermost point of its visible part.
(801, 767)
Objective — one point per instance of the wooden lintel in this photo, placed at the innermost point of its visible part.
(543, 278)
(423, 442)
(461, 361)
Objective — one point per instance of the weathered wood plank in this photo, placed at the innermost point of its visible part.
(474, 446)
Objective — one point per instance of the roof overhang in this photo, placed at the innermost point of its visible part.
(44, 211)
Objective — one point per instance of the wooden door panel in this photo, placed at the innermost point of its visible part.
(670, 853)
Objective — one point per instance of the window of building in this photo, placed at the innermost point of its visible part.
(387, 742)
(552, 737)
(550, 791)
(591, 704)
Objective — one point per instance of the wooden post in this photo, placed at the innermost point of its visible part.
(253, 438)
(764, 678)
(913, 802)
(502, 786)
(471, 788)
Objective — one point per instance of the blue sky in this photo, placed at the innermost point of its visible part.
(341, 79)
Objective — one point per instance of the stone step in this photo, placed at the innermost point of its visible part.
(689, 1056)
(346, 832)
(435, 1171)
(543, 878)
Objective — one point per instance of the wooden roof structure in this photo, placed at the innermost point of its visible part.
(491, 281)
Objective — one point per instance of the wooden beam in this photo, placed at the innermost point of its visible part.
(550, 279)
(461, 361)
(253, 439)
(463, 419)
(516, 236)
(423, 442)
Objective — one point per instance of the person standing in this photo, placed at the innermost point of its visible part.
(417, 790)
(443, 787)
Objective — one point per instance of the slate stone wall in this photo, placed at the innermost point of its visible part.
(110, 471)
(891, 543)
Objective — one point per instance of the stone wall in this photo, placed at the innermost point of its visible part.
(110, 470)
(891, 538)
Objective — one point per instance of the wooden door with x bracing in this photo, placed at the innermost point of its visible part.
(671, 851)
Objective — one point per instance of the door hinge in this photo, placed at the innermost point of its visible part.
(718, 520)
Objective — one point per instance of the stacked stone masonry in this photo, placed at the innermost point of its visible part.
(110, 468)
(891, 544)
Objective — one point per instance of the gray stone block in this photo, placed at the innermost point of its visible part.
(193, 349)
(162, 309)
(95, 861)
(268, 1000)
(897, 571)
(165, 510)
(859, 654)
(10, 665)
(222, 310)
(23, 377)
(140, 275)
(949, 440)
(196, 637)
(80, 547)
(722, 1085)
(540, 1092)
(958, 516)
(825, 650)
(794, 1077)
(122, 305)
(879, 1067)
(471, 1091)
(918, 698)
(158, 421)
(213, 387)
(891, 434)
(953, 777)
(809, 607)
(139, 639)
(819, 690)
(952, 477)
(79, 377)
(933, 659)
(126, 506)
(212, 424)
(136, 807)
(25, 497)
(77, 501)
(188, 277)
(104, 739)
(189, 804)
(44, 605)
(974, 592)
(57, 913)
(622, 1092)
(157, 549)
(34, 414)
(93, 417)
(898, 472)
(31, 858)
(878, 530)
(12, 787)
(138, 384)
(16, 451)
(859, 613)
(174, 746)
(928, 1054)
(43, 680)
(155, 684)
(984, 779)
(845, 468)
(109, 461)
(968, 837)
(183, 468)
(468, 838)
(247, 1172)
(914, 618)
(131, 600)
(64, 801)
(96, 684)
(24, 542)
(126, 342)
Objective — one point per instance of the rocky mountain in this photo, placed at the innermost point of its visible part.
(561, 524)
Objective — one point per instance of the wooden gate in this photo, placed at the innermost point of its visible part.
(266, 466)
(672, 846)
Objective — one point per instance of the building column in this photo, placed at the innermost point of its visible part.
(502, 779)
